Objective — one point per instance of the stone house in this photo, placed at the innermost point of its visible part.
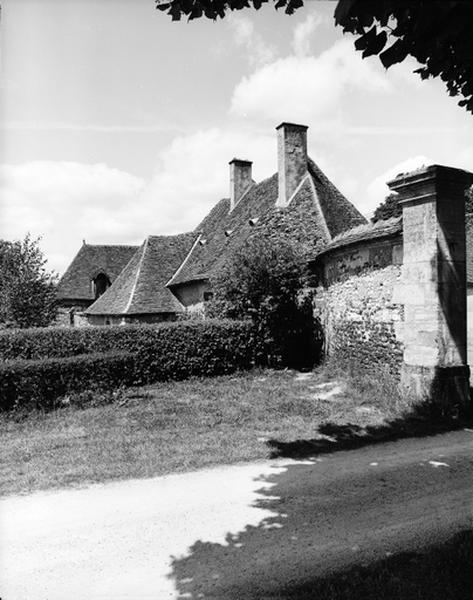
(168, 275)
(90, 274)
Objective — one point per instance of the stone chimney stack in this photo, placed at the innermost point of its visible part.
(240, 179)
(292, 159)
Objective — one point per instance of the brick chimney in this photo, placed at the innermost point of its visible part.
(292, 159)
(240, 179)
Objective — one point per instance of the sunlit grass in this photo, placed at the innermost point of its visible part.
(176, 426)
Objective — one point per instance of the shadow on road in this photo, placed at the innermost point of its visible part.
(342, 529)
(339, 529)
(332, 437)
(439, 573)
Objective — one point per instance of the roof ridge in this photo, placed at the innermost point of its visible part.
(110, 245)
(252, 184)
(296, 191)
(181, 266)
(319, 207)
(138, 269)
(169, 235)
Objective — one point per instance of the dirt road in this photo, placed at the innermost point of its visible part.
(244, 531)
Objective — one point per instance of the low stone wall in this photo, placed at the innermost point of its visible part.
(360, 319)
(76, 318)
(394, 293)
(355, 301)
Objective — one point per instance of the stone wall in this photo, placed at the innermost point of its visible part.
(469, 322)
(191, 295)
(356, 307)
(398, 298)
(71, 316)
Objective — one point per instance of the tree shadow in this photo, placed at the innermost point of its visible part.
(349, 525)
(441, 572)
(333, 437)
(342, 537)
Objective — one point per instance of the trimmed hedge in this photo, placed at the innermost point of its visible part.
(142, 354)
(39, 383)
(51, 342)
(197, 349)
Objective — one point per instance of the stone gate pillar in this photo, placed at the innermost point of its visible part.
(432, 287)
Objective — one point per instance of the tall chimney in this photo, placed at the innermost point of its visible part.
(292, 159)
(240, 179)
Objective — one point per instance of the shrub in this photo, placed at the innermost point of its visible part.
(141, 355)
(197, 349)
(265, 281)
(39, 383)
(63, 342)
(55, 342)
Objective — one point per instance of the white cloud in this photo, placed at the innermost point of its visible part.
(464, 159)
(245, 36)
(65, 202)
(307, 87)
(377, 190)
(193, 173)
(64, 126)
(304, 33)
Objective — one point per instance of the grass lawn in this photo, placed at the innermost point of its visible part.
(177, 426)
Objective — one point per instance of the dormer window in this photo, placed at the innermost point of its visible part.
(100, 284)
(253, 221)
(202, 242)
(228, 232)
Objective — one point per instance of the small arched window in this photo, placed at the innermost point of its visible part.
(99, 284)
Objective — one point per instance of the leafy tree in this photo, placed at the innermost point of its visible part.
(437, 33)
(264, 280)
(27, 290)
(387, 209)
(391, 207)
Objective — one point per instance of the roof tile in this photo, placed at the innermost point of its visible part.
(140, 288)
(88, 262)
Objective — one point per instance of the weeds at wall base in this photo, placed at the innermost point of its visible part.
(382, 387)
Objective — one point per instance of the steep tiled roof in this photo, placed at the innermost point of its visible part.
(365, 232)
(140, 288)
(316, 212)
(88, 262)
(339, 213)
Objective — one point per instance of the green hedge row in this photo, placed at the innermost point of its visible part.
(50, 342)
(141, 355)
(40, 383)
(197, 349)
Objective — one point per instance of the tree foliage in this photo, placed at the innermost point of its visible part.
(213, 9)
(264, 280)
(27, 289)
(437, 33)
(388, 209)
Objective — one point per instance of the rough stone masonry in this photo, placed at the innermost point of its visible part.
(393, 294)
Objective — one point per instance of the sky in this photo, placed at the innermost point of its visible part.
(117, 123)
